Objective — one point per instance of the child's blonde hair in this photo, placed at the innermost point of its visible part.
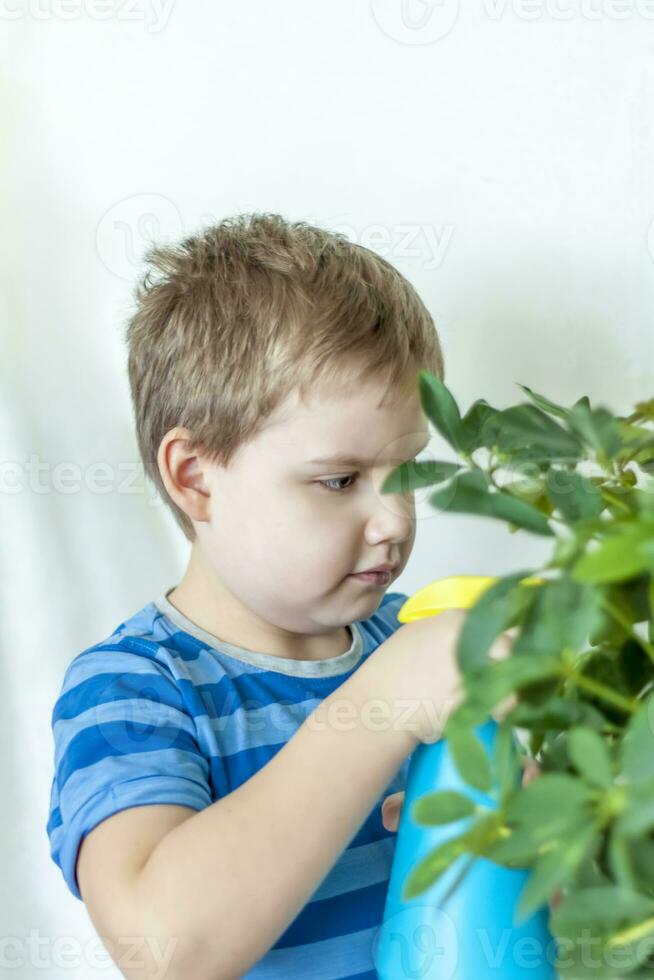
(232, 320)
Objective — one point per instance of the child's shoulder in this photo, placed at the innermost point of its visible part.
(139, 643)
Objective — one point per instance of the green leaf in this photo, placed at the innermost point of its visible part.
(555, 869)
(481, 834)
(590, 757)
(561, 616)
(635, 597)
(469, 757)
(616, 558)
(589, 874)
(634, 436)
(637, 817)
(620, 859)
(621, 502)
(412, 476)
(644, 847)
(646, 408)
(493, 683)
(587, 918)
(470, 713)
(478, 426)
(505, 764)
(469, 493)
(441, 408)
(605, 667)
(636, 668)
(573, 495)
(621, 596)
(545, 404)
(495, 611)
(556, 713)
(442, 807)
(599, 962)
(568, 548)
(527, 427)
(554, 753)
(531, 462)
(597, 428)
(637, 749)
(642, 453)
(550, 807)
(517, 849)
(432, 866)
(645, 501)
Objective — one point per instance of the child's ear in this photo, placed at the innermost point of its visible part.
(183, 474)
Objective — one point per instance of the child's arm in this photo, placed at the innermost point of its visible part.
(226, 883)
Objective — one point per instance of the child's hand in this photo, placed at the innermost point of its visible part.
(392, 808)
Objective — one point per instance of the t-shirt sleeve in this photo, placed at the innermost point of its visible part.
(123, 737)
(390, 607)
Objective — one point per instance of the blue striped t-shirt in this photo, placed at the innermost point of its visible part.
(164, 712)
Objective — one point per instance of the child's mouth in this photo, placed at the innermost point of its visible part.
(374, 578)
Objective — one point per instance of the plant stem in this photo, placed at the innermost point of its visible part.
(631, 934)
(595, 687)
(626, 625)
(465, 867)
(614, 500)
(634, 417)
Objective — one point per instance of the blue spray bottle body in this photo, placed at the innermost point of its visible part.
(461, 928)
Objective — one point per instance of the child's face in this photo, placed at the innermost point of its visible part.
(285, 547)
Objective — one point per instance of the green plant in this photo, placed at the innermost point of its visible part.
(581, 667)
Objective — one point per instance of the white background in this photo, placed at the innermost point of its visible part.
(501, 155)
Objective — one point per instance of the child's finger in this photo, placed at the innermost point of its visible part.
(391, 810)
(501, 710)
(556, 900)
(532, 770)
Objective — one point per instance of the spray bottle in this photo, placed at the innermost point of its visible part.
(465, 932)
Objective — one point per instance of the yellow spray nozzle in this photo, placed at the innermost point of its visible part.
(453, 592)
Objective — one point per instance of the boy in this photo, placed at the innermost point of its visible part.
(217, 789)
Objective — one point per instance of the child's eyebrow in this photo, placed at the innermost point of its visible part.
(345, 460)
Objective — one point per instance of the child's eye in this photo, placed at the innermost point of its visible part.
(325, 483)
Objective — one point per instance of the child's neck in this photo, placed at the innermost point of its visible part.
(207, 603)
